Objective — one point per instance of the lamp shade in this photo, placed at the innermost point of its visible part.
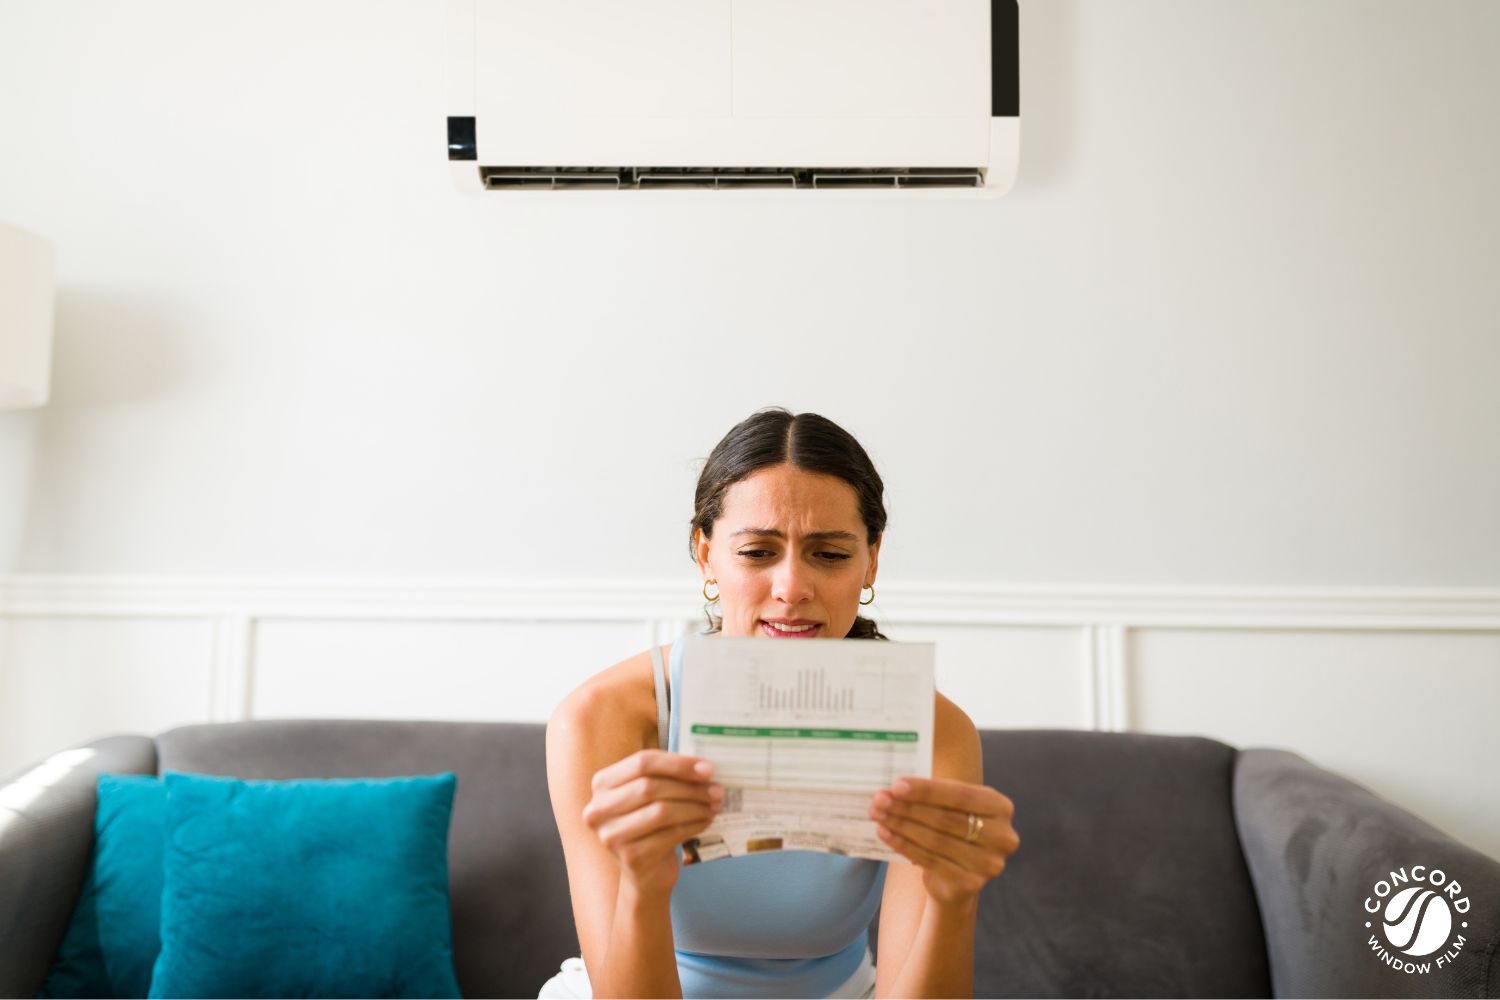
(25, 318)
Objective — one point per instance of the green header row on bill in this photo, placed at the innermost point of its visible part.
(886, 735)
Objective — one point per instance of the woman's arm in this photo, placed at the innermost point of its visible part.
(929, 907)
(621, 811)
(939, 954)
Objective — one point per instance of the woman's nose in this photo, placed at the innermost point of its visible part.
(791, 583)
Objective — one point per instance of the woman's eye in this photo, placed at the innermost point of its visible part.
(824, 556)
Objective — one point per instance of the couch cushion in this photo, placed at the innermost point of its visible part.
(512, 921)
(1129, 880)
(305, 888)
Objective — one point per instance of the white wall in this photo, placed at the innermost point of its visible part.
(1237, 325)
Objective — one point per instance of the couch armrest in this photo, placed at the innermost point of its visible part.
(1316, 843)
(46, 840)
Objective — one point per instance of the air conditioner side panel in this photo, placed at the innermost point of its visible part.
(1005, 155)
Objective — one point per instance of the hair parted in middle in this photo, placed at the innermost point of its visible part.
(774, 436)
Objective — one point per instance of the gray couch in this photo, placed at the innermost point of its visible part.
(1151, 865)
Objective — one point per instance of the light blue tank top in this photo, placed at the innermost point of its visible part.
(783, 924)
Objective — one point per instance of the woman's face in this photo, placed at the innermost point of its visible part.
(789, 548)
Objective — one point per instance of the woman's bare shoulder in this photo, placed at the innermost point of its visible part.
(950, 717)
(614, 707)
(955, 742)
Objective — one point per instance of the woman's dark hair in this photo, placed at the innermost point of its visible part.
(807, 441)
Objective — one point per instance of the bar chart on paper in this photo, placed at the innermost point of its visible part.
(834, 717)
(810, 691)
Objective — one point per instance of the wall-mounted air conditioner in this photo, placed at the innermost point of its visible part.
(913, 96)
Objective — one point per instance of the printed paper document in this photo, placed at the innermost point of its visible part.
(802, 733)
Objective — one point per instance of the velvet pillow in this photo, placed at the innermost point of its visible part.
(112, 939)
(306, 888)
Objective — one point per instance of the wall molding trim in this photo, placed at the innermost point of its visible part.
(926, 603)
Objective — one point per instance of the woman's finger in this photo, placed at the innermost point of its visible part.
(659, 763)
(951, 822)
(931, 861)
(642, 791)
(976, 858)
(981, 800)
(652, 819)
(666, 840)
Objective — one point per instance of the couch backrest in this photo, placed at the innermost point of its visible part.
(1129, 881)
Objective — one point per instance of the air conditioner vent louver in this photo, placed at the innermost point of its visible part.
(550, 177)
(725, 178)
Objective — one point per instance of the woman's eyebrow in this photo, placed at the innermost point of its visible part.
(843, 536)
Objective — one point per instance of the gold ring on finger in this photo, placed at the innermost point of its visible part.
(976, 825)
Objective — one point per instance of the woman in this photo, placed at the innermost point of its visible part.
(786, 529)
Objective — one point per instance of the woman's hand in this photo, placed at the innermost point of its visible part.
(927, 821)
(644, 806)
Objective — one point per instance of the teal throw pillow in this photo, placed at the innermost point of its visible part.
(112, 939)
(333, 888)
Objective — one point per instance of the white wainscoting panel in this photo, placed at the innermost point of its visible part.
(494, 671)
(65, 681)
(1410, 715)
(1011, 677)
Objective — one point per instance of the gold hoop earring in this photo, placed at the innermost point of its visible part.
(872, 596)
(710, 600)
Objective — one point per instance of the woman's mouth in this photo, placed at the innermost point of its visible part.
(783, 630)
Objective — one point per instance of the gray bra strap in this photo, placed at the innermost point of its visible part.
(662, 706)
